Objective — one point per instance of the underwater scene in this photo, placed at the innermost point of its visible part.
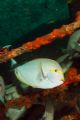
(39, 59)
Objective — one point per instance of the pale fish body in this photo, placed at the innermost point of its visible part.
(40, 73)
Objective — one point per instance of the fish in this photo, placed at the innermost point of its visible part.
(74, 42)
(71, 52)
(43, 73)
(2, 89)
(40, 73)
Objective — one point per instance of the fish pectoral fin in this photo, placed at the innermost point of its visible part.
(43, 72)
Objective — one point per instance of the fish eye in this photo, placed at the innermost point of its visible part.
(56, 70)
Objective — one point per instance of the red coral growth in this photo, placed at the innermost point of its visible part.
(26, 101)
(75, 116)
(71, 77)
(46, 39)
(2, 112)
(58, 94)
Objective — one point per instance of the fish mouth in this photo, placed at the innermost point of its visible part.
(61, 82)
(58, 82)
